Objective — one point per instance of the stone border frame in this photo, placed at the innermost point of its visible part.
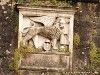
(38, 10)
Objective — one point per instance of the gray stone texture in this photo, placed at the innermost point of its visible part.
(96, 39)
(45, 61)
(8, 38)
(87, 24)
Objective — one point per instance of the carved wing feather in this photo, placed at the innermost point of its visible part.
(46, 20)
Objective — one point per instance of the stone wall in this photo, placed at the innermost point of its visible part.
(8, 35)
(87, 20)
(87, 25)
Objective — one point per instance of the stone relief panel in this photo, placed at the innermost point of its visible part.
(50, 30)
(46, 32)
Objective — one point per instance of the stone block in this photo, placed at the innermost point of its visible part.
(96, 40)
(98, 32)
(45, 62)
(97, 25)
(26, 72)
(85, 38)
(97, 45)
(97, 14)
(97, 19)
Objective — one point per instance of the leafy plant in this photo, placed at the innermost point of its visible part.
(97, 58)
(21, 51)
(48, 3)
(65, 50)
(54, 1)
(76, 40)
(90, 68)
(15, 18)
(20, 1)
(92, 51)
(67, 4)
(94, 57)
(14, 65)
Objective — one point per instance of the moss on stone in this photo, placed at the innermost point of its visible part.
(94, 57)
(92, 51)
(47, 3)
(15, 19)
(21, 51)
(76, 40)
(63, 50)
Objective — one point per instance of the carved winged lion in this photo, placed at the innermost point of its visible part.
(51, 32)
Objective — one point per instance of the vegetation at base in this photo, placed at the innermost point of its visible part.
(94, 58)
(92, 51)
(65, 50)
(21, 51)
(54, 1)
(48, 3)
(15, 19)
(90, 68)
(14, 64)
(76, 40)
(62, 73)
(20, 1)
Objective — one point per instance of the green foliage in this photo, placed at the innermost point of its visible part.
(97, 58)
(48, 3)
(65, 50)
(29, 49)
(15, 18)
(92, 51)
(62, 73)
(21, 51)
(90, 68)
(94, 57)
(20, 1)
(67, 4)
(76, 40)
(54, 1)
(14, 65)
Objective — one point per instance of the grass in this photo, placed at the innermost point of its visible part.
(15, 18)
(94, 57)
(64, 50)
(47, 3)
(21, 51)
(76, 40)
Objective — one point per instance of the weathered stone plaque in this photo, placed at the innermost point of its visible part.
(45, 61)
(48, 29)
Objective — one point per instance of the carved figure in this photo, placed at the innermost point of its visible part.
(64, 27)
(56, 31)
(52, 32)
